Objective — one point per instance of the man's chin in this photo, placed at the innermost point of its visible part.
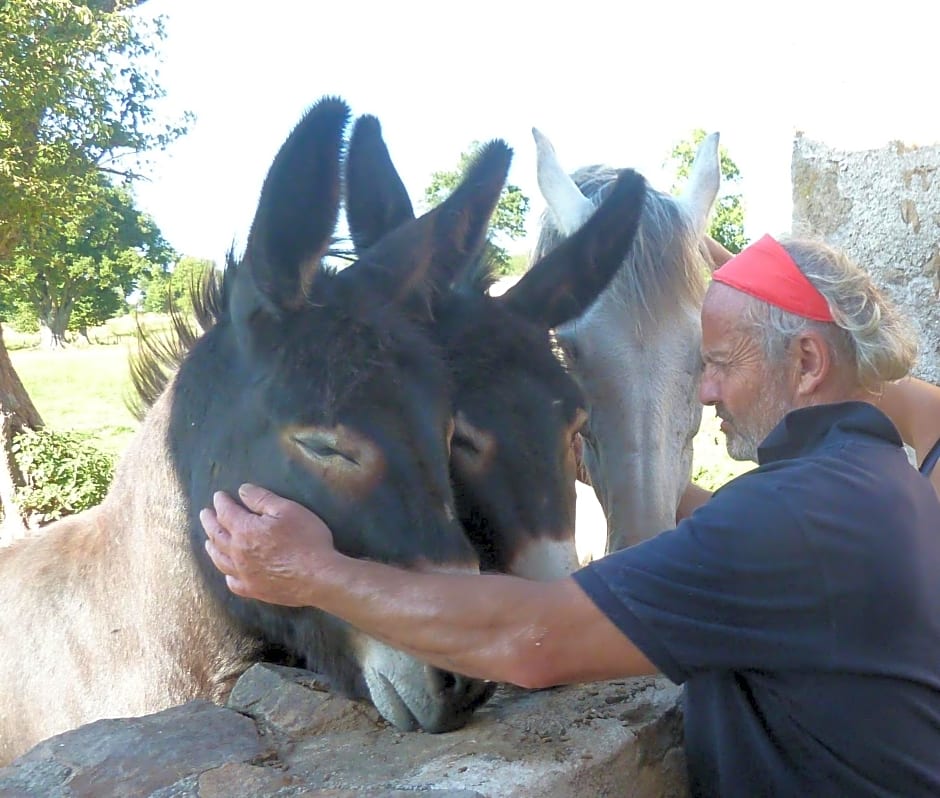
(738, 451)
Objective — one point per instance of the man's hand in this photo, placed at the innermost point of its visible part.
(270, 551)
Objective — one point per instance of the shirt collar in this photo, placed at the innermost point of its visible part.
(803, 430)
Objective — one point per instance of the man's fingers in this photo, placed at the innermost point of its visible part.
(260, 500)
(221, 560)
(210, 524)
(226, 509)
(236, 586)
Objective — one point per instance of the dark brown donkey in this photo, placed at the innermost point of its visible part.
(321, 385)
(517, 408)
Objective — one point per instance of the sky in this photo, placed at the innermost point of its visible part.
(615, 83)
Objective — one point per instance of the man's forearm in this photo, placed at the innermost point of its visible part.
(481, 626)
(496, 627)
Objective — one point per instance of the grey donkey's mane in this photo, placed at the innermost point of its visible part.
(665, 271)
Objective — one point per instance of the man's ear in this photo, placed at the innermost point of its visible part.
(813, 362)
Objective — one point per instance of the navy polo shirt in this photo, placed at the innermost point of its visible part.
(800, 607)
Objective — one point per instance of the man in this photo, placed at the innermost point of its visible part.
(800, 605)
(912, 404)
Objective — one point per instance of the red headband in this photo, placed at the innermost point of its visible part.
(765, 270)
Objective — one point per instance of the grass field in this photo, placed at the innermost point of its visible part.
(83, 389)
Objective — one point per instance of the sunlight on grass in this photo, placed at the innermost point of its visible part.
(81, 389)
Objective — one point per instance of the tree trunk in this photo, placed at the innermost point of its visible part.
(17, 412)
(50, 338)
(53, 322)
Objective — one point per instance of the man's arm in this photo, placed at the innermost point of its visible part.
(914, 407)
(693, 498)
(497, 627)
(717, 254)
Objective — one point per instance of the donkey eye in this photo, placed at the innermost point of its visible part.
(580, 421)
(321, 449)
(449, 431)
(586, 436)
(463, 442)
(469, 440)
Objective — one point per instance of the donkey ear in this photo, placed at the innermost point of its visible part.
(701, 188)
(376, 199)
(420, 258)
(296, 214)
(564, 283)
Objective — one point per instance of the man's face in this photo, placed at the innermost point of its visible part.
(749, 396)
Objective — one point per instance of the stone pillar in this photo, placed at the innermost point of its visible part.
(882, 207)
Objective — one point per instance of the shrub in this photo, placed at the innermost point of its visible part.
(64, 474)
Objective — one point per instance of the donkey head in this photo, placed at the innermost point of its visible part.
(517, 410)
(323, 386)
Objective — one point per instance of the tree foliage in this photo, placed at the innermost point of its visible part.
(77, 102)
(508, 221)
(78, 95)
(65, 473)
(172, 288)
(90, 265)
(77, 98)
(727, 222)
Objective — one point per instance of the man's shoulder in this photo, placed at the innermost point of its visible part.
(848, 467)
(762, 490)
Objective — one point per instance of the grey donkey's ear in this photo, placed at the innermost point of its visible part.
(376, 199)
(564, 283)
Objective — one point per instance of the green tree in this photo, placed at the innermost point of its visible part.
(172, 288)
(727, 223)
(77, 97)
(508, 222)
(93, 263)
(78, 91)
(518, 263)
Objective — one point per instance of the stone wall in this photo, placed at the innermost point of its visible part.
(882, 207)
(282, 735)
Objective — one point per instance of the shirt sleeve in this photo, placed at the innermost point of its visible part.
(733, 587)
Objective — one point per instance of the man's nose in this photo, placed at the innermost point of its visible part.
(708, 393)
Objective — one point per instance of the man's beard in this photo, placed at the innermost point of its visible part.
(748, 431)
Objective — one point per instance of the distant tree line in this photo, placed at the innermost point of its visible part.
(77, 93)
(78, 88)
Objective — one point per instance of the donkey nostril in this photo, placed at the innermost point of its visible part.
(458, 698)
(441, 682)
(459, 690)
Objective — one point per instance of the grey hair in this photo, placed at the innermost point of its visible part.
(665, 270)
(870, 336)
